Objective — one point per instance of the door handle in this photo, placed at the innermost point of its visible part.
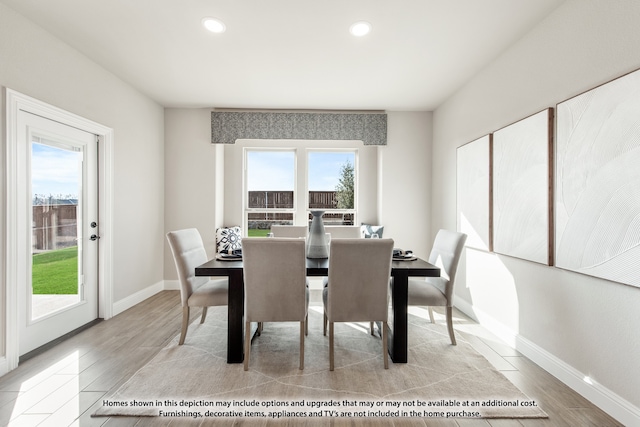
(94, 237)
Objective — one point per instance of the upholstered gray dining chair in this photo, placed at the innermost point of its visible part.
(343, 231)
(274, 285)
(438, 291)
(289, 230)
(340, 232)
(358, 288)
(298, 231)
(195, 291)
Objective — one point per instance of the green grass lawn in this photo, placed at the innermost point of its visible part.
(55, 272)
(252, 232)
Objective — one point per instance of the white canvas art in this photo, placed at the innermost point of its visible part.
(597, 194)
(521, 178)
(472, 192)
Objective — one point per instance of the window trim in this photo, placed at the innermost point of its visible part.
(300, 211)
(246, 210)
(355, 152)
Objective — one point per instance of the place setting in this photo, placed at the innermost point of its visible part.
(403, 255)
(233, 255)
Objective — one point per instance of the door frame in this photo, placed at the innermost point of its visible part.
(16, 102)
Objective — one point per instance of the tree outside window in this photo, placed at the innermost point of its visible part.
(345, 187)
(331, 185)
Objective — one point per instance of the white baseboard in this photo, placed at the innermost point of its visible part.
(614, 405)
(137, 298)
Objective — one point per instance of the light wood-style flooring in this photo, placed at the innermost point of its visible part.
(63, 386)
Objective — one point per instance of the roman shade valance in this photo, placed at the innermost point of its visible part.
(227, 126)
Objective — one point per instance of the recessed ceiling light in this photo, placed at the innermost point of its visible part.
(360, 28)
(214, 25)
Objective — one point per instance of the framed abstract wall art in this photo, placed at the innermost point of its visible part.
(522, 183)
(473, 192)
(597, 193)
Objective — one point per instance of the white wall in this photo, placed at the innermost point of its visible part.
(583, 326)
(36, 64)
(193, 175)
(405, 181)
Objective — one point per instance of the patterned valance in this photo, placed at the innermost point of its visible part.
(370, 128)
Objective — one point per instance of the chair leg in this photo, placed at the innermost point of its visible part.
(204, 314)
(450, 325)
(306, 324)
(185, 324)
(385, 350)
(302, 332)
(247, 344)
(331, 346)
(371, 328)
(259, 330)
(324, 325)
(431, 315)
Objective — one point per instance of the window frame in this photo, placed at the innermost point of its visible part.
(245, 186)
(354, 211)
(300, 211)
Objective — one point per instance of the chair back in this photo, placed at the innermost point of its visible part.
(188, 253)
(274, 279)
(343, 231)
(359, 272)
(446, 252)
(289, 230)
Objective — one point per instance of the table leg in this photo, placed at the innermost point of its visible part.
(235, 333)
(397, 340)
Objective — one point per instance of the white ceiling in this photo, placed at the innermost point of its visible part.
(291, 54)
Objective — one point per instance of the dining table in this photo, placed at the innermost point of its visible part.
(401, 270)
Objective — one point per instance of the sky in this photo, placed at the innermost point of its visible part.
(54, 171)
(274, 170)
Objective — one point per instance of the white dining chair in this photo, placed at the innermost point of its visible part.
(289, 230)
(358, 287)
(274, 285)
(438, 291)
(343, 231)
(195, 291)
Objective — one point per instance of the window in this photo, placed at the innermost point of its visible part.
(272, 177)
(270, 189)
(331, 185)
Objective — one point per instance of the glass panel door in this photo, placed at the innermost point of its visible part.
(56, 181)
(58, 207)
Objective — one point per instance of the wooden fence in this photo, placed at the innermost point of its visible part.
(54, 226)
(271, 199)
(284, 200)
(322, 200)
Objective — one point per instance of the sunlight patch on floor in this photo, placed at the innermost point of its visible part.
(46, 392)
